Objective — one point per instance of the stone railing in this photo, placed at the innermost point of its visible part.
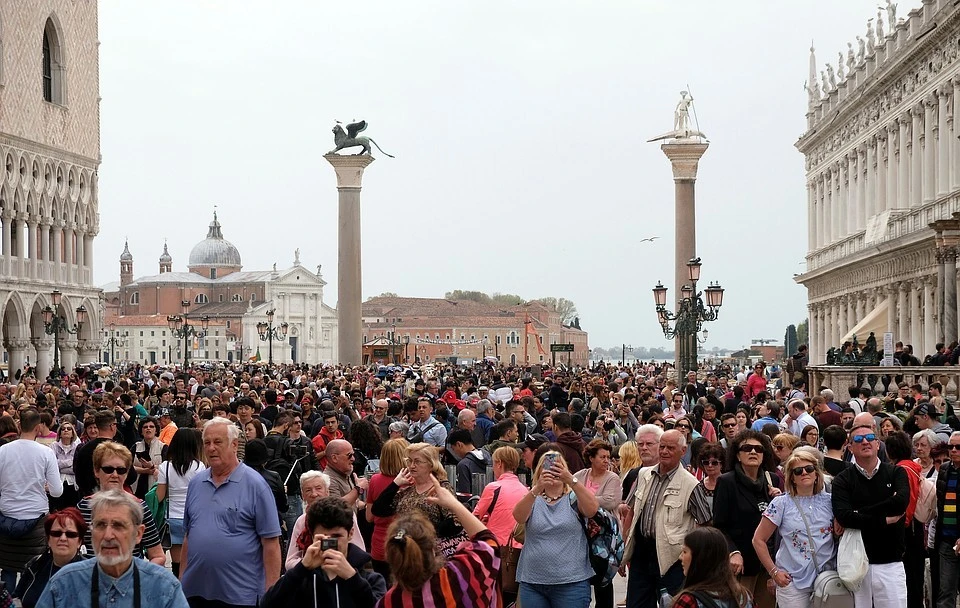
(881, 380)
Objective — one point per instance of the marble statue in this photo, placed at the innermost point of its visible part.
(831, 77)
(851, 60)
(861, 51)
(840, 66)
(880, 26)
(319, 266)
(891, 15)
(681, 121)
(871, 43)
(349, 138)
(823, 82)
(296, 256)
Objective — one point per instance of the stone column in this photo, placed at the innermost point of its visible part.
(929, 317)
(812, 347)
(44, 360)
(862, 170)
(68, 252)
(903, 323)
(916, 156)
(892, 190)
(88, 258)
(851, 199)
(57, 235)
(349, 171)
(929, 149)
(861, 306)
(870, 206)
(68, 354)
(955, 141)
(843, 204)
(891, 293)
(950, 287)
(684, 158)
(852, 319)
(81, 235)
(829, 212)
(819, 211)
(811, 218)
(31, 256)
(916, 294)
(7, 239)
(941, 281)
(903, 162)
(943, 138)
(880, 173)
(45, 239)
(840, 317)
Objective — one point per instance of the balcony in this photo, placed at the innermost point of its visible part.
(881, 380)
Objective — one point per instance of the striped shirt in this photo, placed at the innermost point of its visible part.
(469, 579)
(698, 504)
(949, 528)
(151, 537)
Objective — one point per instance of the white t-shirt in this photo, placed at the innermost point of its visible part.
(177, 485)
(25, 466)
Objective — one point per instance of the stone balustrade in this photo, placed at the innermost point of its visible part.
(839, 378)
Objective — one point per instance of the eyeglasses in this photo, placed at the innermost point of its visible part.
(684, 426)
(711, 463)
(351, 455)
(801, 470)
(751, 447)
(111, 470)
(953, 447)
(67, 533)
(729, 425)
(862, 438)
(298, 421)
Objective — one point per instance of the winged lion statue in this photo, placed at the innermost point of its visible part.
(350, 139)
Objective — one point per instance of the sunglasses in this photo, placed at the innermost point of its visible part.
(862, 438)
(751, 447)
(729, 425)
(112, 470)
(711, 463)
(683, 426)
(953, 447)
(67, 533)
(801, 470)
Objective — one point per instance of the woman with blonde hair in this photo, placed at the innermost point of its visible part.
(553, 565)
(629, 458)
(468, 578)
(410, 489)
(393, 455)
(804, 518)
(501, 496)
(783, 445)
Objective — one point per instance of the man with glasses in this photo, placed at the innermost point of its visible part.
(676, 410)
(344, 483)
(380, 418)
(728, 425)
(947, 540)
(83, 458)
(427, 429)
(872, 496)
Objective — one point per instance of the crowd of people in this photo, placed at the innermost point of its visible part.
(300, 485)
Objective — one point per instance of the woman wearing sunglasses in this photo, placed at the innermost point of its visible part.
(710, 461)
(65, 530)
(111, 462)
(741, 496)
(804, 518)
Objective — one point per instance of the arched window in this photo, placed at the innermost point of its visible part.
(53, 69)
(135, 297)
(253, 297)
(236, 298)
(201, 299)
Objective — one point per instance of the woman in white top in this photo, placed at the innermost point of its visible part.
(147, 455)
(173, 477)
(64, 448)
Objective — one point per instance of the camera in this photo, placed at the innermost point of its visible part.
(608, 425)
(297, 451)
(329, 543)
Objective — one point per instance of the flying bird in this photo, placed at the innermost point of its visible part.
(651, 239)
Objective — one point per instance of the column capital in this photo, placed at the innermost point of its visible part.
(904, 119)
(945, 91)
(349, 168)
(684, 158)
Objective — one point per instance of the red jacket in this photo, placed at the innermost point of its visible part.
(321, 441)
(755, 383)
(913, 476)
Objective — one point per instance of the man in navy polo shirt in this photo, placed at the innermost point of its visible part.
(231, 548)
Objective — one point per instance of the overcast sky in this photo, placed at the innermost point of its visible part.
(520, 134)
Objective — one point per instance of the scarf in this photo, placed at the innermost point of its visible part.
(759, 487)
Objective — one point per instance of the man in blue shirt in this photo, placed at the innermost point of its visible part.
(113, 579)
(769, 413)
(231, 549)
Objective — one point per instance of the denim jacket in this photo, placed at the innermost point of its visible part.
(70, 587)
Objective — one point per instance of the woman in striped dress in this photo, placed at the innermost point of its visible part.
(467, 579)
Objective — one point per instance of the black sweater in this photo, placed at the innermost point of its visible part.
(865, 504)
(303, 587)
(737, 509)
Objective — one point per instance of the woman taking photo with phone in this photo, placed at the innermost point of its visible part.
(554, 570)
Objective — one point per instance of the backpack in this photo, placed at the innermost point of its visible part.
(926, 500)
(417, 437)
(604, 543)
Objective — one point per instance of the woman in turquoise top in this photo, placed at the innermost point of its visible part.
(804, 518)
(550, 573)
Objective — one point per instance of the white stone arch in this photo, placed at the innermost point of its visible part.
(73, 183)
(14, 321)
(53, 72)
(91, 329)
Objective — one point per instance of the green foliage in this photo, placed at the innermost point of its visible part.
(472, 296)
(566, 308)
(803, 333)
(790, 342)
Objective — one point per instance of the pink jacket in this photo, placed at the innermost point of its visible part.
(501, 521)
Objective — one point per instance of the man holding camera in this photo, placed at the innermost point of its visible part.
(289, 457)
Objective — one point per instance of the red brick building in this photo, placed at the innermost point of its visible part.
(435, 328)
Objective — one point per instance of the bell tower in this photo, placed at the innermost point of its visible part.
(166, 260)
(126, 265)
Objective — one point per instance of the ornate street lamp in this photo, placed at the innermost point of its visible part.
(269, 333)
(692, 313)
(113, 339)
(180, 327)
(54, 323)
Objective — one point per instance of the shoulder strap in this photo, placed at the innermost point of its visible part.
(493, 503)
(704, 599)
(813, 547)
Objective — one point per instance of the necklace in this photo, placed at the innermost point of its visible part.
(550, 499)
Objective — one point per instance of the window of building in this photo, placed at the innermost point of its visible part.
(163, 343)
(141, 333)
(437, 336)
(135, 297)
(220, 298)
(201, 299)
(141, 344)
(228, 324)
(237, 298)
(448, 336)
(213, 273)
(498, 338)
(52, 64)
(141, 355)
(253, 297)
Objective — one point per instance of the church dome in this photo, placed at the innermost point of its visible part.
(126, 256)
(214, 250)
(165, 257)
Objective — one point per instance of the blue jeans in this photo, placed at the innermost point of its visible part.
(566, 595)
(294, 511)
(644, 581)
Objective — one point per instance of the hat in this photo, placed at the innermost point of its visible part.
(255, 453)
(167, 376)
(291, 393)
(307, 399)
(449, 397)
(164, 412)
(534, 441)
(483, 388)
(925, 409)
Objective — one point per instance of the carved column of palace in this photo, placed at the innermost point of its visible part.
(863, 168)
(880, 205)
(891, 297)
(68, 353)
(840, 177)
(950, 285)
(812, 347)
(852, 318)
(861, 305)
(930, 149)
(811, 217)
(870, 206)
(916, 155)
(929, 317)
(850, 199)
(7, 239)
(57, 236)
(943, 139)
(31, 258)
(45, 223)
(44, 362)
(829, 324)
(841, 316)
(69, 254)
(954, 139)
(903, 321)
(349, 171)
(88, 256)
(941, 281)
(828, 205)
(903, 162)
(81, 237)
(822, 330)
(916, 295)
(16, 351)
(822, 237)
(892, 190)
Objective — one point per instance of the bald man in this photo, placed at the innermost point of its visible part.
(380, 418)
(344, 483)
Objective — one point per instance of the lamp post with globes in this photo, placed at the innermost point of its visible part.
(269, 333)
(112, 338)
(54, 323)
(690, 316)
(180, 327)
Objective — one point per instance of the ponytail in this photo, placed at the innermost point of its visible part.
(410, 550)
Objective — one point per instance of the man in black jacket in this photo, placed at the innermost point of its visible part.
(872, 496)
(331, 577)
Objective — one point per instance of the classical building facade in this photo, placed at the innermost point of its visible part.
(427, 329)
(883, 184)
(50, 153)
(216, 288)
